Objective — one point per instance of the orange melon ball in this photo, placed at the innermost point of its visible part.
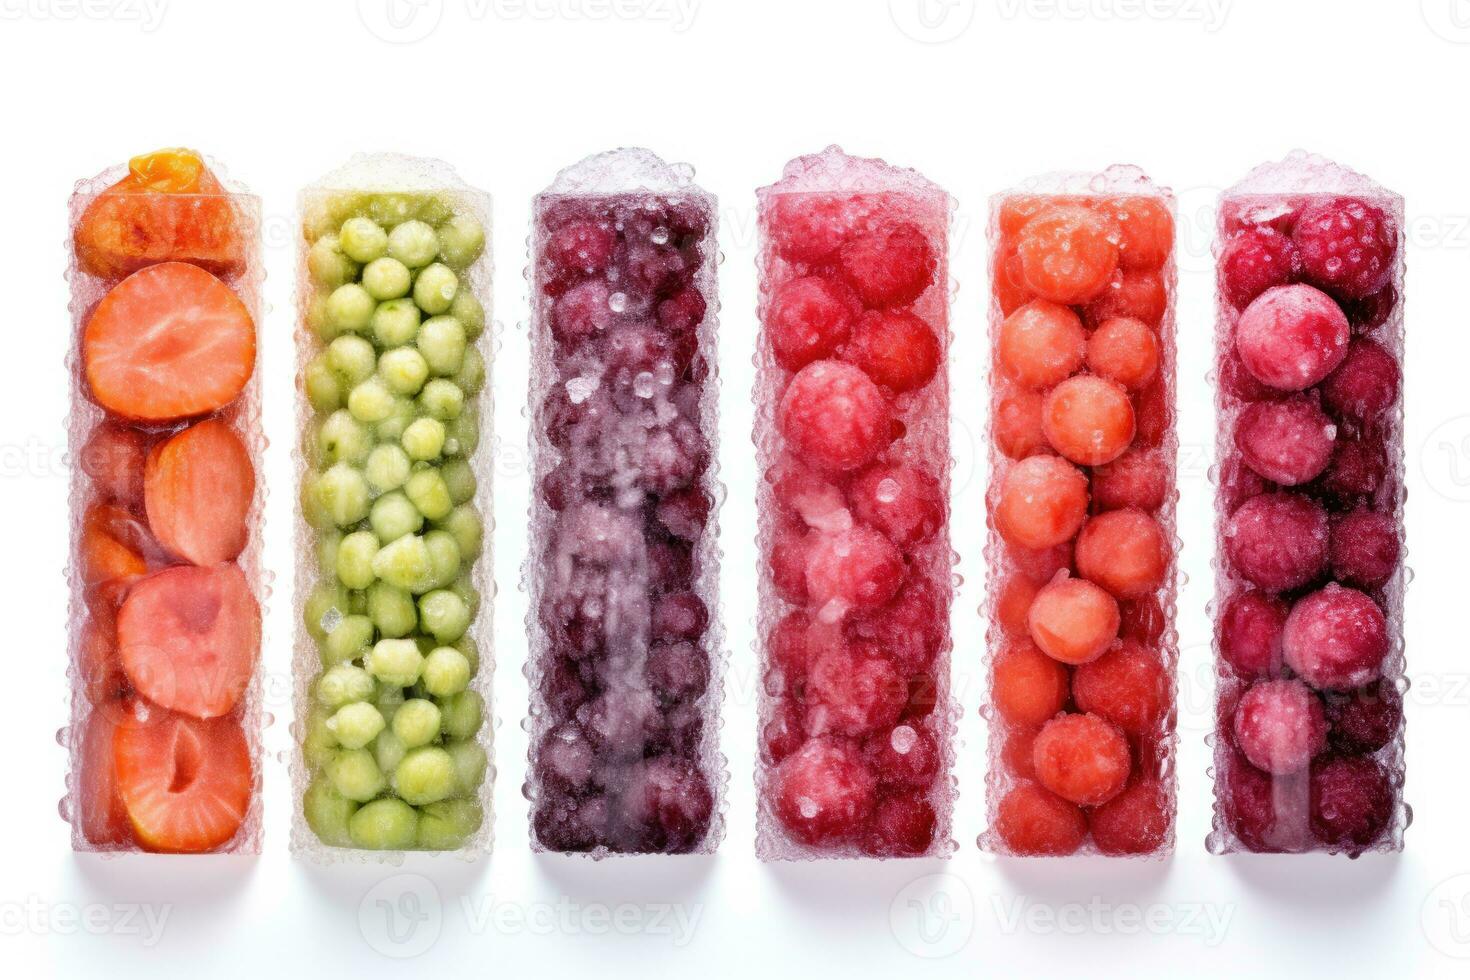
(1073, 620)
(1034, 821)
(1146, 228)
(1088, 419)
(1041, 344)
(1124, 350)
(1082, 758)
(1017, 424)
(1068, 253)
(1013, 603)
(1042, 502)
(1026, 686)
(1125, 552)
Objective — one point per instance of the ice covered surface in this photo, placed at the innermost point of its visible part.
(87, 288)
(389, 188)
(1142, 479)
(1350, 800)
(826, 712)
(626, 648)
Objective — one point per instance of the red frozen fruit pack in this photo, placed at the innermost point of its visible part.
(625, 659)
(1081, 555)
(1309, 583)
(852, 434)
(166, 511)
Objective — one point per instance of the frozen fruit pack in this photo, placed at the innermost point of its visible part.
(393, 659)
(852, 434)
(1309, 584)
(166, 510)
(1081, 550)
(625, 659)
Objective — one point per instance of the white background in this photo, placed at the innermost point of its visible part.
(978, 94)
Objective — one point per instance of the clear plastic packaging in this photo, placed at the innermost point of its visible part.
(626, 650)
(1081, 555)
(1309, 569)
(394, 588)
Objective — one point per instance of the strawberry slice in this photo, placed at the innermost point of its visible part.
(198, 487)
(188, 638)
(110, 554)
(113, 458)
(168, 343)
(185, 784)
(103, 820)
(168, 208)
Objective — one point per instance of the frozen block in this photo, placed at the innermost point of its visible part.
(625, 657)
(1081, 580)
(166, 510)
(394, 587)
(856, 573)
(1309, 572)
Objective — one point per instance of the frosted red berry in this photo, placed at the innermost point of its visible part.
(1335, 638)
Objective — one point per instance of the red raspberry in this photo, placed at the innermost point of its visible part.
(1288, 442)
(896, 349)
(909, 630)
(1371, 312)
(902, 826)
(680, 616)
(808, 320)
(852, 690)
(1291, 337)
(809, 497)
(905, 756)
(1254, 261)
(1126, 686)
(1364, 549)
(684, 513)
(1082, 758)
(1347, 246)
(809, 227)
(581, 312)
(788, 650)
(890, 266)
(1278, 541)
(855, 569)
(1352, 801)
(1365, 720)
(583, 247)
(1335, 638)
(823, 793)
(1136, 821)
(903, 502)
(788, 564)
(1280, 726)
(1250, 634)
(1032, 820)
(1358, 468)
(1240, 384)
(783, 734)
(682, 312)
(834, 416)
(1364, 385)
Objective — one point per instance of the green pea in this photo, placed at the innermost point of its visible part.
(386, 278)
(448, 824)
(343, 684)
(343, 439)
(393, 516)
(459, 477)
(464, 587)
(370, 401)
(355, 774)
(319, 746)
(405, 563)
(391, 210)
(318, 319)
(323, 389)
(387, 467)
(465, 646)
(434, 289)
(471, 375)
(446, 672)
(444, 615)
(355, 559)
(469, 531)
(463, 713)
(461, 240)
(468, 310)
(404, 370)
(325, 606)
(426, 775)
(363, 239)
(443, 558)
(350, 308)
(342, 493)
(402, 415)
(395, 322)
(413, 243)
(356, 724)
(417, 722)
(327, 813)
(385, 825)
(429, 493)
(423, 440)
(463, 435)
(442, 341)
(353, 358)
(389, 750)
(392, 610)
(396, 662)
(470, 764)
(442, 399)
(348, 642)
(328, 265)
